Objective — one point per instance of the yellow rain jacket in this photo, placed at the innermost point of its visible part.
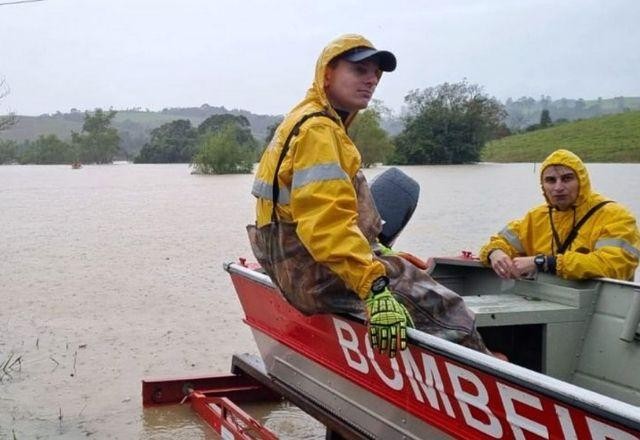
(316, 182)
(607, 245)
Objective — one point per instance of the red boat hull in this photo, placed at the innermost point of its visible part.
(454, 390)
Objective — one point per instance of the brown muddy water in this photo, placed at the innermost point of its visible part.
(111, 274)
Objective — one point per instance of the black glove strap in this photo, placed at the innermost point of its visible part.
(379, 284)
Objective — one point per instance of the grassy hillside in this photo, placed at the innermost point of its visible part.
(30, 127)
(614, 138)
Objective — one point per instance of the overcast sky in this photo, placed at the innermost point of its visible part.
(260, 55)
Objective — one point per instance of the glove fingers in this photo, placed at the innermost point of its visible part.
(393, 342)
(373, 336)
(384, 338)
(403, 338)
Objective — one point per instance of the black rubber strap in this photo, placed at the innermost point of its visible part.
(574, 232)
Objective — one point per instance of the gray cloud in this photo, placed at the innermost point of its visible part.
(260, 55)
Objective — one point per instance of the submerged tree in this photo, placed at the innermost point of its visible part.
(48, 150)
(225, 151)
(173, 142)
(99, 141)
(447, 124)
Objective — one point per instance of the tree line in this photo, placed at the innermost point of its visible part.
(446, 124)
(96, 143)
(525, 112)
(221, 144)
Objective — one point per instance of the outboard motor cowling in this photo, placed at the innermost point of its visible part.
(396, 197)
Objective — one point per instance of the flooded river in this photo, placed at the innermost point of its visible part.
(110, 274)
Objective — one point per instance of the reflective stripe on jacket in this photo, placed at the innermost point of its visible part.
(607, 245)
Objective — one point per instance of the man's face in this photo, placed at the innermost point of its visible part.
(350, 86)
(561, 186)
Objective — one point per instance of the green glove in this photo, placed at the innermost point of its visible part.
(384, 250)
(388, 321)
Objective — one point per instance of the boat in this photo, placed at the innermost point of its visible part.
(573, 369)
(573, 349)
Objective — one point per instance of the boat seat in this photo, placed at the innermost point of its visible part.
(521, 302)
(514, 309)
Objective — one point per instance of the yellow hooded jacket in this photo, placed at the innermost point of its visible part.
(607, 245)
(316, 182)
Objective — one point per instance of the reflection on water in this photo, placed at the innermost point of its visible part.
(171, 422)
(111, 274)
(286, 420)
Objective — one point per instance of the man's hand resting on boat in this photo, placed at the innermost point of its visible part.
(388, 322)
(507, 268)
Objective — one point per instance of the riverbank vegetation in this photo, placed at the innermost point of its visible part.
(451, 123)
(614, 138)
(97, 142)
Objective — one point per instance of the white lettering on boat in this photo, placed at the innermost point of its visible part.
(601, 431)
(510, 395)
(564, 417)
(478, 400)
(478, 407)
(396, 382)
(349, 343)
(432, 381)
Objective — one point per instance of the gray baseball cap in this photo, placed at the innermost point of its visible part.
(386, 60)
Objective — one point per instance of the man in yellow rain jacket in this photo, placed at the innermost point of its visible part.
(576, 234)
(316, 241)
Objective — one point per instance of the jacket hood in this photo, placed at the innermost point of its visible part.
(316, 93)
(569, 160)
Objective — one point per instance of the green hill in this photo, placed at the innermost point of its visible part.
(614, 138)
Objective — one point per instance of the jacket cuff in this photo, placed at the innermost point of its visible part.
(365, 288)
(486, 250)
(560, 269)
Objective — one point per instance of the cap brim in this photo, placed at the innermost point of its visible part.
(386, 60)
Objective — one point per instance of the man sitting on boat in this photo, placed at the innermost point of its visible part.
(317, 224)
(576, 233)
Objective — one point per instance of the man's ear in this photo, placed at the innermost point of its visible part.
(328, 75)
